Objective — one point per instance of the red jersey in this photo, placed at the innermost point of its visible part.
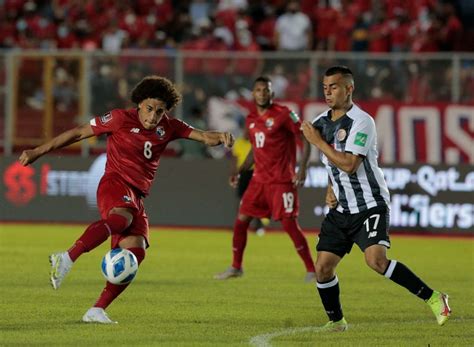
(273, 137)
(133, 152)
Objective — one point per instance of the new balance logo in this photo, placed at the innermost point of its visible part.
(372, 234)
(135, 130)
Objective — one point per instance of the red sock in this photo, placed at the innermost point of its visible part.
(111, 291)
(293, 229)
(239, 241)
(97, 233)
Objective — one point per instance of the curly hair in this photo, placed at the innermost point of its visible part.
(156, 87)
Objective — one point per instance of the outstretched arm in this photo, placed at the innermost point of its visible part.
(212, 138)
(346, 162)
(66, 138)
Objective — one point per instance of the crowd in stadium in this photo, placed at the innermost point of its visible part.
(123, 26)
(226, 25)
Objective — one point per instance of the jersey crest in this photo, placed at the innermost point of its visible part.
(269, 122)
(341, 135)
(160, 131)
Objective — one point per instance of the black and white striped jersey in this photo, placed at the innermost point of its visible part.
(355, 133)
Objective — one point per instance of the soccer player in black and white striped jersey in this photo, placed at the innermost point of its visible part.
(358, 199)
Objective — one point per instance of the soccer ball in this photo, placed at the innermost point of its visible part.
(119, 266)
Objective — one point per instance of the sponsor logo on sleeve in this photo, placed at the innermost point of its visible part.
(294, 117)
(360, 139)
(106, 118)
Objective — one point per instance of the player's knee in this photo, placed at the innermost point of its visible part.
(118, 222)
(125, 213)
(378, 264)
(324, 272)
(244, 218)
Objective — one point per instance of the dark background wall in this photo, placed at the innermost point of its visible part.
(425, 198)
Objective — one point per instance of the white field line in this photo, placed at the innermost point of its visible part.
(264, 340)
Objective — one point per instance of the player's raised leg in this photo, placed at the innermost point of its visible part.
(396, 271)
(96, 314)
(328, 288)
(61, 263)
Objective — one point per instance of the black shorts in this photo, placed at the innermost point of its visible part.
(340, 231)
(243, 183)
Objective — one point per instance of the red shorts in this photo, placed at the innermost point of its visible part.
(264, 200)
(114, 192)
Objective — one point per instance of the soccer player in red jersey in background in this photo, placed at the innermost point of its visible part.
(273, 130)
(135, 140)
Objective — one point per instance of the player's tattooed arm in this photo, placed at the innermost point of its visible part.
(212, 138)
(62, 140)
(331, 199)
(346, 162)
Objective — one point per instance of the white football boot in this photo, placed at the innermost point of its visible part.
(97, 315)
(231, 272)
(61, 264)
(310, 277)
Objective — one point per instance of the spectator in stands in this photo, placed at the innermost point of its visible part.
(451, 31)
(279, 81)
(231, 5)
(418, 85)
(199, 10)
(379, 35)
(218, 68)
(360, 34)
(400, 32)
(64, 90)
(265, 20)
(114, 38)
(293, 29)
(324, 18)
(246, 68)
(68, 24)
(104, 87)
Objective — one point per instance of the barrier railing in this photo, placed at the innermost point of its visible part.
(45, 92)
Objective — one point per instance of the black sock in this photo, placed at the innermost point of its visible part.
(329, 293)
(403, 276)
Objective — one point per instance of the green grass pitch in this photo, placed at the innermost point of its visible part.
(175, 302)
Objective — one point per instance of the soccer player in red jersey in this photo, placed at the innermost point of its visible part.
(273, 130)
(135, 140)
